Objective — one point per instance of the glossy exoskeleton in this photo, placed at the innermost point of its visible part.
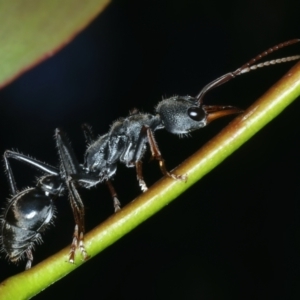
(28, 212)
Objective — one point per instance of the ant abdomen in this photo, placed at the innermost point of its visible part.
(26, 216)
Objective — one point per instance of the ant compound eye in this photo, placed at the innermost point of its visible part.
(196, 113)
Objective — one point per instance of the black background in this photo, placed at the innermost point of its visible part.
(235, 234)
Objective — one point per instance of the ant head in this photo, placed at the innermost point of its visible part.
(183, 114)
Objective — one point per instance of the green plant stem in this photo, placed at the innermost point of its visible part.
(31, 282)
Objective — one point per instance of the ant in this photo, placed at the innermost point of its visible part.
(30, 211)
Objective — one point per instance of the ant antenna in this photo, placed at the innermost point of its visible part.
(250, 66)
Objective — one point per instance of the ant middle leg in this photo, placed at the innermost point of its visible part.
(29, 259)
(114, 196)
(140, 177)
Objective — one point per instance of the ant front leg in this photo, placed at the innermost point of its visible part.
(147, 134)
(157, 155)
(69, 167)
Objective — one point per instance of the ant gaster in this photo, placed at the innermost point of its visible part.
(29, 212)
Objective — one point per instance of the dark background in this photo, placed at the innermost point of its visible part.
(235, 234)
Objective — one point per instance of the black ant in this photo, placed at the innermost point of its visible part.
(29, 212)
